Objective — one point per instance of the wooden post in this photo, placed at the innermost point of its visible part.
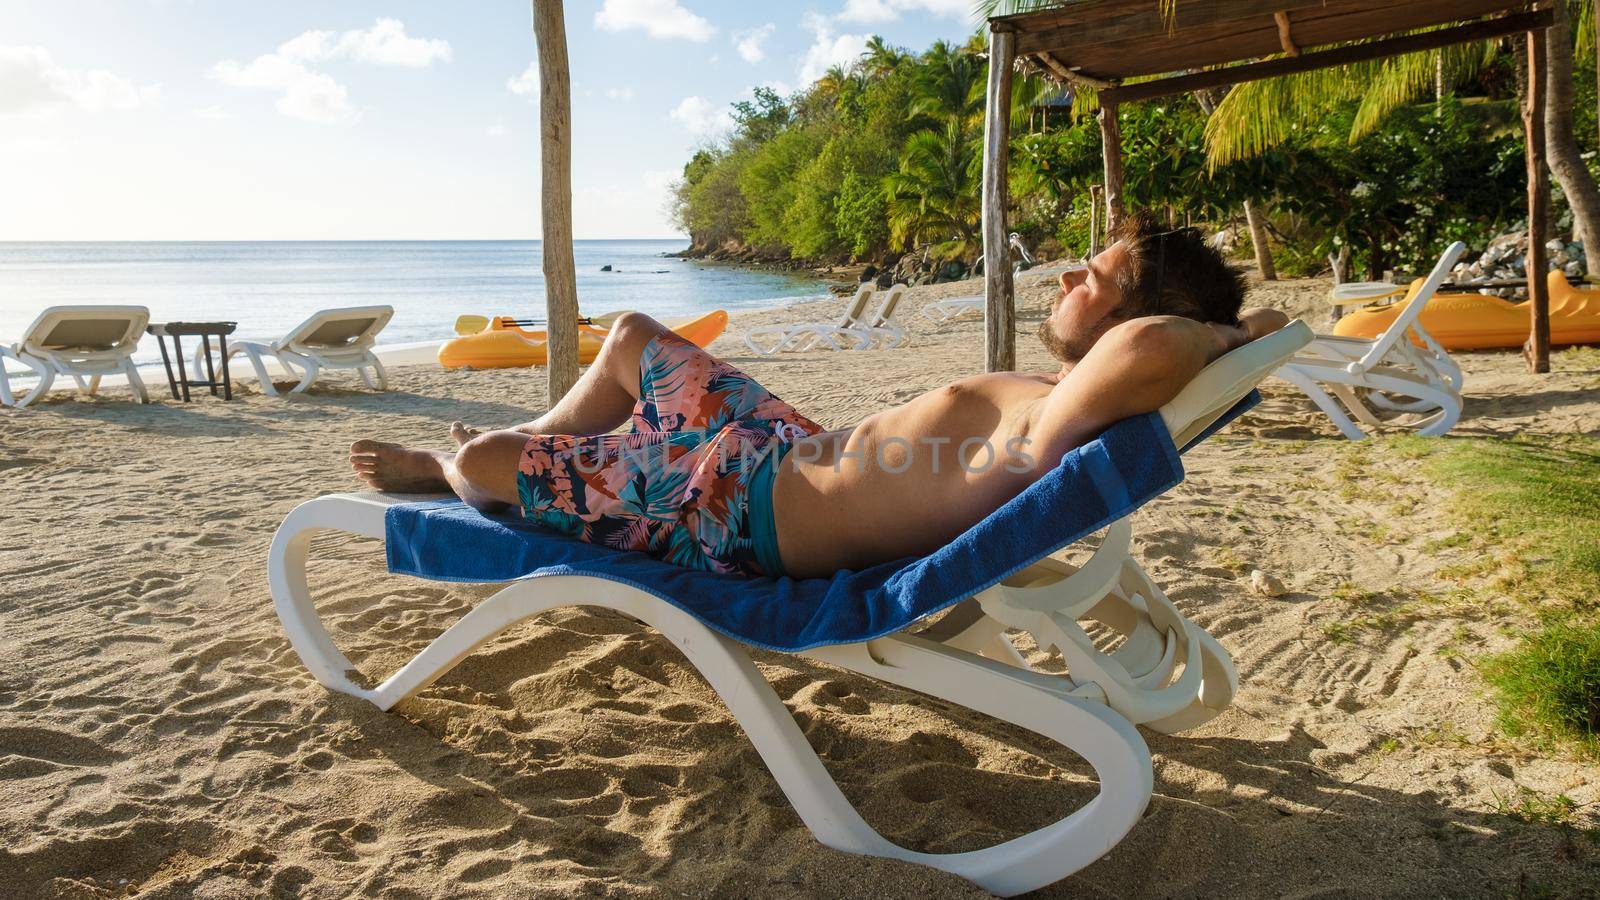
(999, 317)
(1094, 221)
(1537, 349)
(555, 154)
(1111, 139)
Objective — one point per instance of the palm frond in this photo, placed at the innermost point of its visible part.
(1259, 115)
(1402, 80)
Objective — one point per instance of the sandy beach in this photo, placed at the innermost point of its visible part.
(159, 738)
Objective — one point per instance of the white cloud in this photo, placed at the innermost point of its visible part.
(828, 49)
(659, 18)
(215, 114)
(314, 96)
(748, 43)
(889, 10)
(701, 118)
(385, 44)
(622, 93)
(31, 80)
(526, 84)
(496, 130)
(306, 95)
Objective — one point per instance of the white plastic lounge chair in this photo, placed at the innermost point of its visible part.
(1361, 293)
(881, 329)
(331, 339)
(1388, 373)
(770, 340)
(1165, 673)
(84, 343)
(943, 312)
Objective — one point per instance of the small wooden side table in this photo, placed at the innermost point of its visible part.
(205, 331)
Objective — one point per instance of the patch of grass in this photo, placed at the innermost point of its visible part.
(1534, 505)
(1228, 559)
(1531, 807)
(1531, 507)
(1548, 686)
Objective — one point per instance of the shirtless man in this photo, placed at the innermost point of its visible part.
(717, 473)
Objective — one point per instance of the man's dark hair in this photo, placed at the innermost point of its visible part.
(1174, 272)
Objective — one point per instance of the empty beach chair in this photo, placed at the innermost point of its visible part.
(331, 339)
(995, 579)
(770, 340)
(1388, 374)
(943, 312)
(881, 329)
(84, 343)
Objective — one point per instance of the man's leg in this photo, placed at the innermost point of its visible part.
(483, 472)
(603, 399)
(606, 392)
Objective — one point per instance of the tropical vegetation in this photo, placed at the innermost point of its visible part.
(1373, 166)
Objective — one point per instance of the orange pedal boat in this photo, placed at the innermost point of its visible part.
(1480, 322)
(505, 345)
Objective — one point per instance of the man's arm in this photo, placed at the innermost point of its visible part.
(1136, 367)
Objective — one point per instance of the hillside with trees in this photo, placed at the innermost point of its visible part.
(1371, 167)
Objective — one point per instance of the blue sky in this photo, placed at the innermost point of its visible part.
(382, 119)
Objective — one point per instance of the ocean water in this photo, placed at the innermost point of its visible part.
(269, 287)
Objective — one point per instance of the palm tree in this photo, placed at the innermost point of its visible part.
(1561, 143)
(950, 84)
(933, 197)
(881, 59)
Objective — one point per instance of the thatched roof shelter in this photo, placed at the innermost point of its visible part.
(1138, 49)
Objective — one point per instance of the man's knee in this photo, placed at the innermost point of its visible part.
(489, 463)
(634, 329)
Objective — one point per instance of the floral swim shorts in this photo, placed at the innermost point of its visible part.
(691, 483)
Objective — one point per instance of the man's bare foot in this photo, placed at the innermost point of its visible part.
(461, 433)
(391, 467)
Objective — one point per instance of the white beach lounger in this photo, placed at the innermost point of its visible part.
(84, 343)
(770, 340)
(881, 329)
(1165, 673)
(331, 339)
(943, 312)
(1388, 373)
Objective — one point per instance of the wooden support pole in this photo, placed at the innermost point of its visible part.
(1537, 350)
(1111, 141)
(555, 154)
(1000, 314)
(1285, 33)
(1094, 220)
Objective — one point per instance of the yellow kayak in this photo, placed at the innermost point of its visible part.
(505, 345)
(1481, 322)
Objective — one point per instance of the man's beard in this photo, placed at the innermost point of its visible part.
(1069, 350)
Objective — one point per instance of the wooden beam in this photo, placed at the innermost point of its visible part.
(999, 308)
(1061, 71)
(1111, 150)
(1338, 56)
(1537, 350)
(1285, 36)
(555, 154)
(1078, 22)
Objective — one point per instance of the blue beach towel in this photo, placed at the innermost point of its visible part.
(1128, 465)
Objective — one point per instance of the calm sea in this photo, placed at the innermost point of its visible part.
(269, 287)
